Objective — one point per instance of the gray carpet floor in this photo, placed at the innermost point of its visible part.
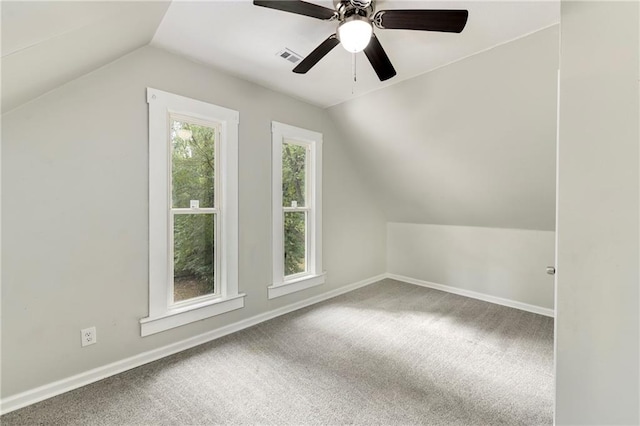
(389, 353)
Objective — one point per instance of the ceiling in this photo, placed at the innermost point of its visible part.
(471, 144)
(48, 43)
(243, 39)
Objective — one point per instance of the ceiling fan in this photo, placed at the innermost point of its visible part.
(356, 19)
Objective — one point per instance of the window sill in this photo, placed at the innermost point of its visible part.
(184, 316)
(298, 284)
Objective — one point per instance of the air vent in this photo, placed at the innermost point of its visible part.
(290, 56)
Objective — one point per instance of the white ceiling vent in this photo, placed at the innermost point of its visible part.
(290, 55)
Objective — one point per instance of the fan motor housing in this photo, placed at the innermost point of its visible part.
(347, 8)
(362, 4)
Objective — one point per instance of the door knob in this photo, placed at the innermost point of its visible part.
(551, 270)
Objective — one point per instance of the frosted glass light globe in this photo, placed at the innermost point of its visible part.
(355, 34)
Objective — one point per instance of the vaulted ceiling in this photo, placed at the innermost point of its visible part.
(245, 40)
(473, 143)
(469, 143)
(46, 44)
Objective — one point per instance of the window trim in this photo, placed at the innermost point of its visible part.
(314, 275)
(164, 315)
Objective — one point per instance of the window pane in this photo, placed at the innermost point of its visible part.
(294, 164)
(295, 242)
(193, 255)
(192, 164)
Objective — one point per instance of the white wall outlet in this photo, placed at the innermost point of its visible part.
(89, 336)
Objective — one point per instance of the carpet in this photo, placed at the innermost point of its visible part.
(389, 353)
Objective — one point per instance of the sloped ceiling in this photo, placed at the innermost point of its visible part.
(46, 44)
(244, 40)
(472, 143)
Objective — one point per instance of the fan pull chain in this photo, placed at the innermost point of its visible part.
(353, 66)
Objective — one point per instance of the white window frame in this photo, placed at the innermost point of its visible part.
(314, 275)
(163, 313)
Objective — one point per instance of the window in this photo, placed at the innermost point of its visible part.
(193, 211)
(297, 209)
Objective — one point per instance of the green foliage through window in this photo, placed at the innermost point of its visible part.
(294, 194)
(193, 255)
(193, 178)
(294, 164)
(193, 164)
(295, 242)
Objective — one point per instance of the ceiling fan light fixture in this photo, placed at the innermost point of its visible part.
(355, 33)
(355, 29)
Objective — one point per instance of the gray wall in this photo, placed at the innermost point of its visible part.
(472, 143)
(597, 322)
(505, 263)
(74, 219)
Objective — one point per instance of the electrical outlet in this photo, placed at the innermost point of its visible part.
(89, 336)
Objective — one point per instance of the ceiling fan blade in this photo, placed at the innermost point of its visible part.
(379, 59)
(317, 54)
(299, 7)
(448, 21)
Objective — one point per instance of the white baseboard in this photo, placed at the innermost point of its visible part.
(32, 396)
(41, 393)
(475, 295)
